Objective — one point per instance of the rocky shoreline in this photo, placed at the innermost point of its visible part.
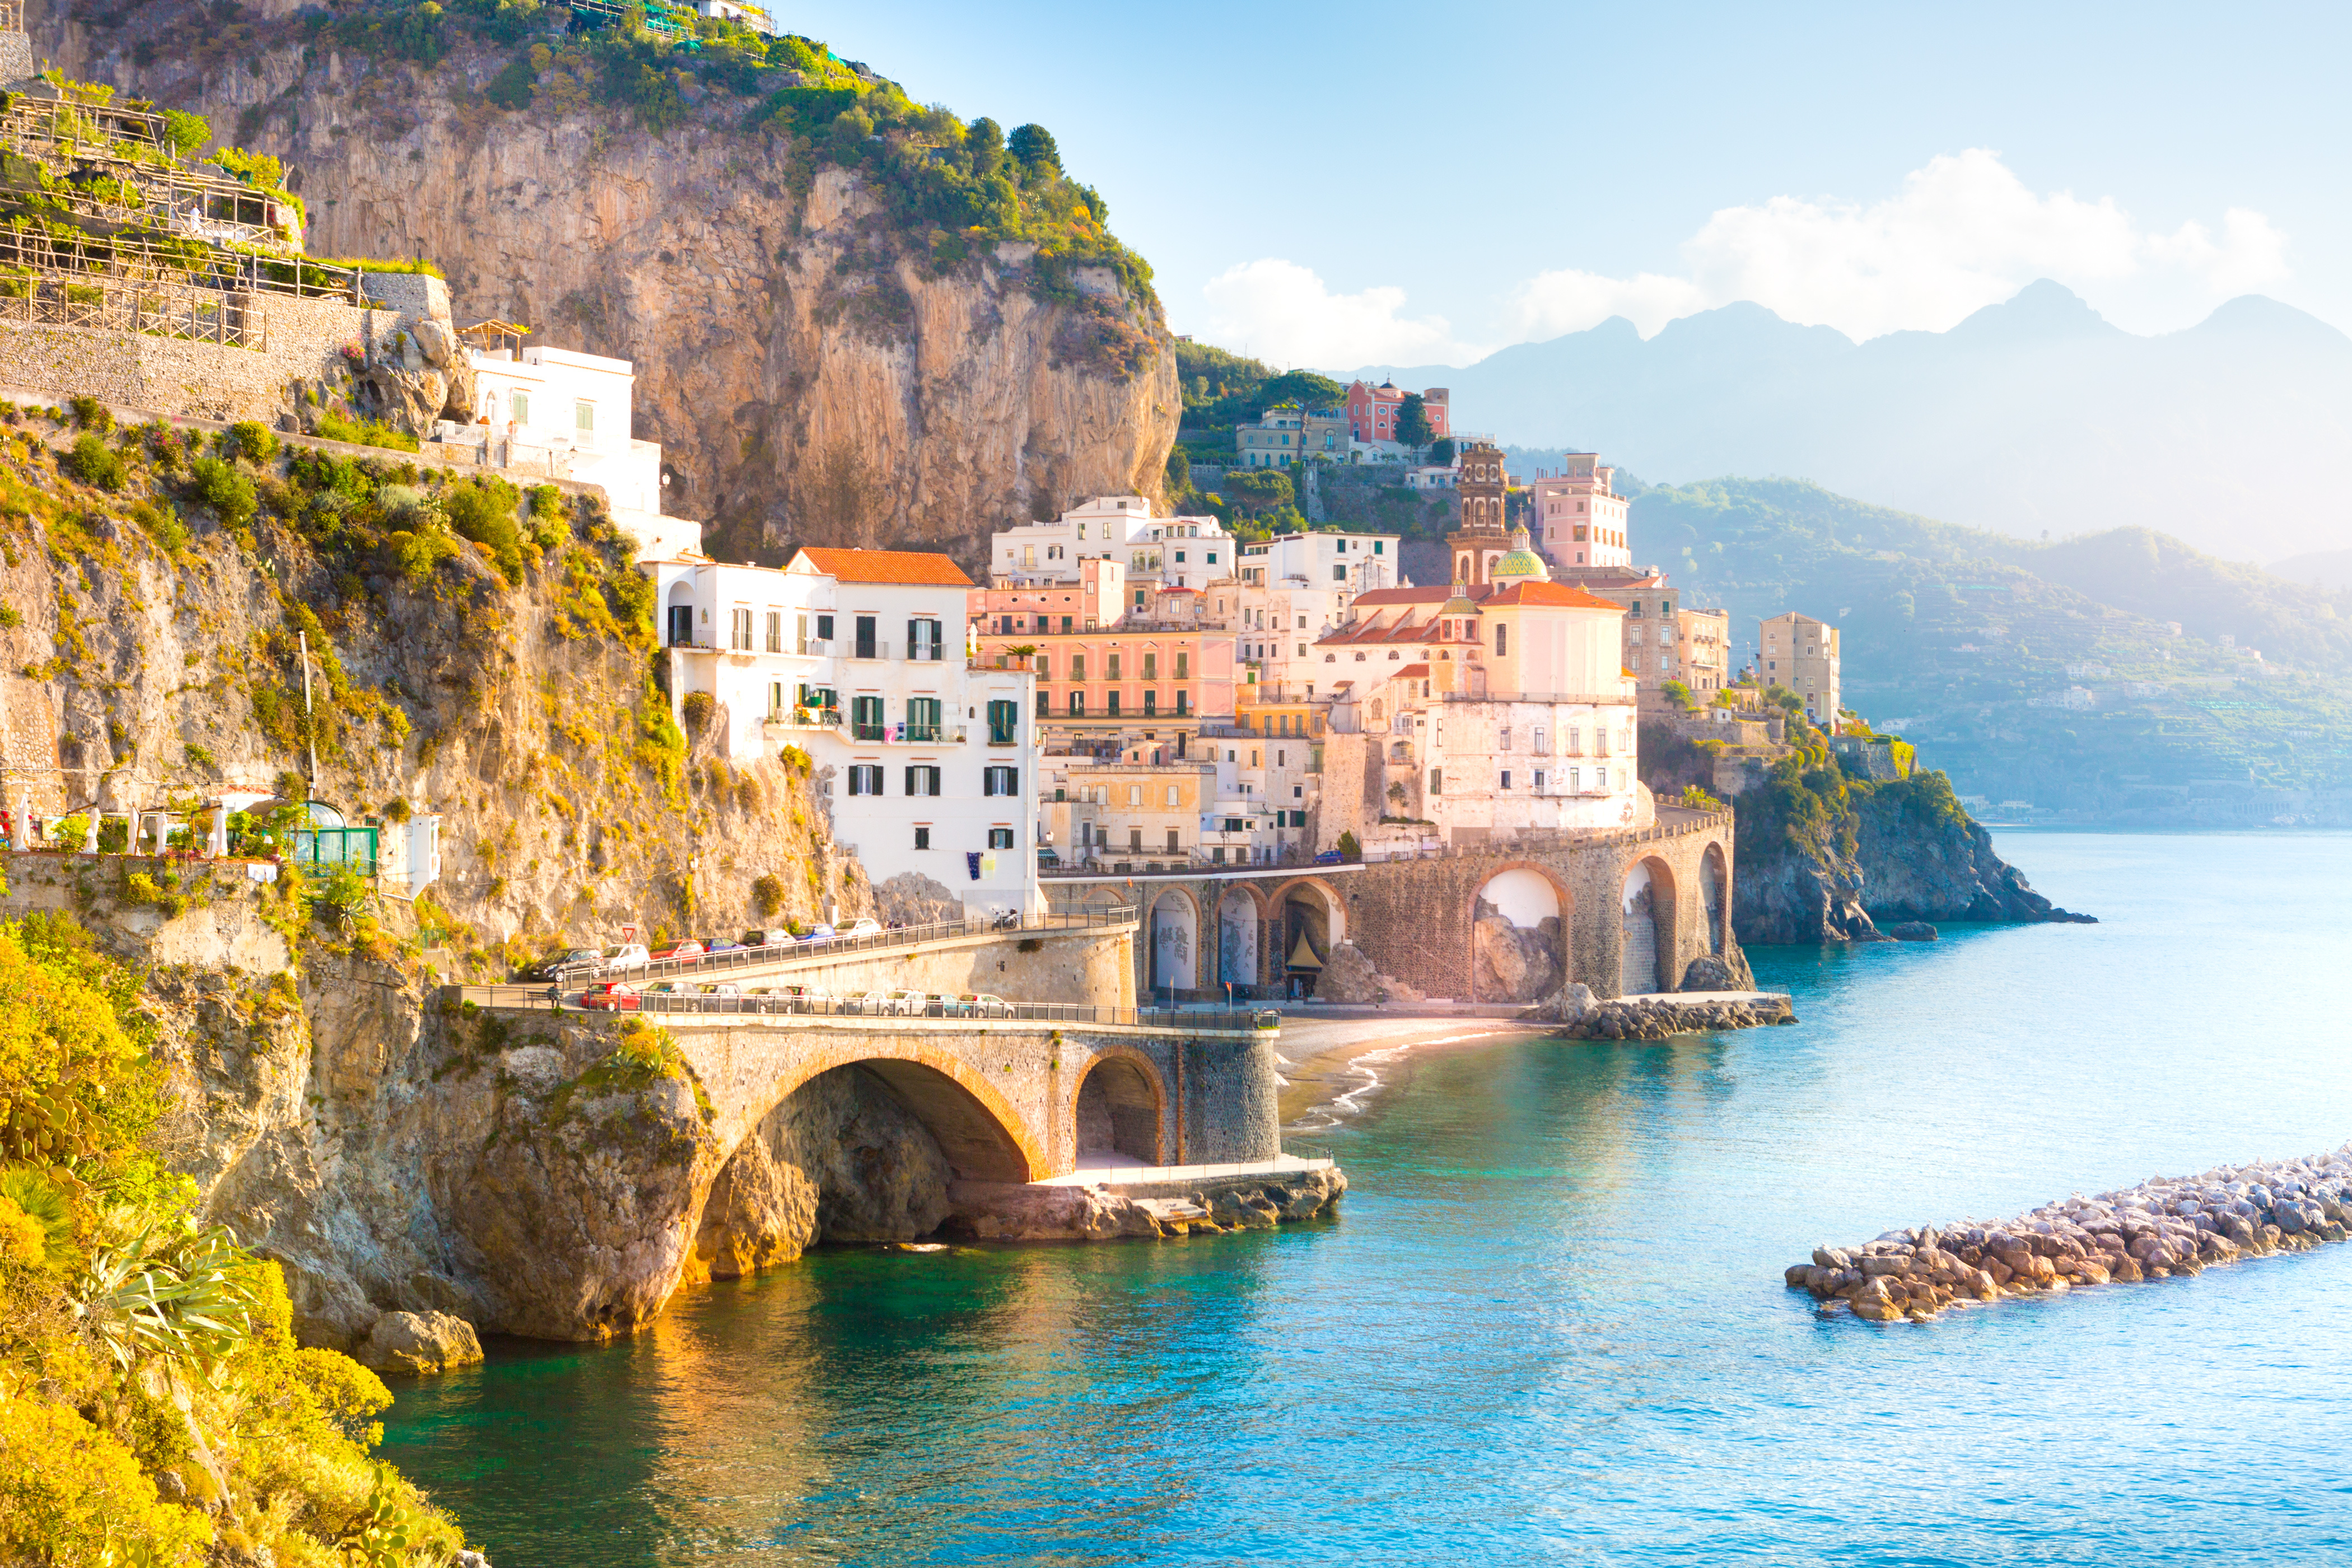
(2161, 1228)
(1581, 1015)
(989, 1211)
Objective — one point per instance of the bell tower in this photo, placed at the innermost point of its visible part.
(1481, 540)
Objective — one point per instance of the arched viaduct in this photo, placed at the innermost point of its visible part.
(1636, 907)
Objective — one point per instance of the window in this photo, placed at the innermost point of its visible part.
(681, 626)
(1502, 641)
(1000, 781)
(1212, 558)
(1000, 838)
(1110, 704)
(1179, 558)
(1183, 705)
(1503, 739)
(1339, 572)
(923, 638)
(1003, 722)
(923, 719)
(824, 627)
(1077, 667)
(1077, 704)
(519, 402)
(1110, 667)
(866, 778)
(775, 631)
(1380, 547)
(1539, 778)
(1171, 795)
(1506, 778)
(740, 631)
(1575, 778)
(1437, 781)
(923, 778)
(1537, 746)
(866, 647)
(1150, 703)
(1150, 666)
(583, 422)
(1045, 667)
(922, 838)
(866, 722)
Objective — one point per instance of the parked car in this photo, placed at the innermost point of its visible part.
(724, 988)
(556, 965)
(719, 944)
(627, 955)
(875, 1002)
(767, 939)
(611, 997)
(981, 1005)
(864, 925)
(1330, 857)
(912, 1004)
(820, 931)
(687, 949)
(665, 988)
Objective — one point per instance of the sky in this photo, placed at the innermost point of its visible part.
(1335, 186)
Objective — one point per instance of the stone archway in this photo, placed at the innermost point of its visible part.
(1647, 926)
(1118, 1112)
(1518, 935)
(1714, 889)
(1240, 919)
(1310, 912)
(1174, 931)
(863, 1151)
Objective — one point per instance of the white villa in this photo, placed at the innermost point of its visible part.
(1173, 551)
(858, 658)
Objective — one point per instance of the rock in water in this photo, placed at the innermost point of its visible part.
(419, 1343)
(1912, 930)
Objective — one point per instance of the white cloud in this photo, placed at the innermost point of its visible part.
(1284, 313)
(1962, 233)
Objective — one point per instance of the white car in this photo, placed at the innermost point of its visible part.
(980, 1003)
(627, 955)
(865, 925)
(724, 988)
(875, 1002)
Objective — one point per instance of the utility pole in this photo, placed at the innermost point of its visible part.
(310, 724)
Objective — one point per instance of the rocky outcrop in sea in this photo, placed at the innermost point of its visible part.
(1584, 1017)
(2162, 1228)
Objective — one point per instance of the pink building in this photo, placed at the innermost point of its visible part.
(1106, 680)
(1372, 410)
(1578, 519)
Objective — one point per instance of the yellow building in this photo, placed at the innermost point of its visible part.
(1801, 654)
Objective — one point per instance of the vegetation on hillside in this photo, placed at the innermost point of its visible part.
(154, 1408)
(1952, 636)
(955, 185)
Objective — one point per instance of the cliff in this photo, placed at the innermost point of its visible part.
(820, 364)
(1825, 859)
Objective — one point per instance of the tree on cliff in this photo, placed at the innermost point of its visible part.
(1412, 421)
(1034, 145)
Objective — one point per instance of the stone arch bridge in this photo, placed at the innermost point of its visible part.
(1622, 910)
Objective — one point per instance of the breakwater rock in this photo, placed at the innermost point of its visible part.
(991, 1211)
(2163, 1226)
(1584, 1017)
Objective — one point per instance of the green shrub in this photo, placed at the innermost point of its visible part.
(89, 414)
(162, 524)
(697, 709)
(85, 294)
(415, 555)
(94, 463)
(768, 895)
(483, 513)
(228, 494)
(365, 433)
(254, 442)
(510, 88)
(184, 131)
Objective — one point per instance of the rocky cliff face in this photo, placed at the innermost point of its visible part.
(813, 377)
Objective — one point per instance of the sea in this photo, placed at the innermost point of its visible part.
(1548, 1324)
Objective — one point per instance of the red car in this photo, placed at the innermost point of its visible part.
(611, 997)
(688, 949)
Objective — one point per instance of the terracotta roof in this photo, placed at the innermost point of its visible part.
(1411, 672)
(1436, 595)
(920, 568)
(1564, 594)
(1180, 588)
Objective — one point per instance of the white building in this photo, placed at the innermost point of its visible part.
(1176, 551)
(1294, 588)
(857, 657)
(1350, 562)
(568, 416)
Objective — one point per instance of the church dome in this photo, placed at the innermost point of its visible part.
(1522, 564)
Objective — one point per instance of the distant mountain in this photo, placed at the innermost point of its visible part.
(2320, 569)
(1968, 641)
(2033, 415)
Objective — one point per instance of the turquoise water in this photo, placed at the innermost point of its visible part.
(1548, 1326)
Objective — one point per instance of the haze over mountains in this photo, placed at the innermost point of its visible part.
(2033, 415)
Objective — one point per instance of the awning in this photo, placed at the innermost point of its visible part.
(1303, 956)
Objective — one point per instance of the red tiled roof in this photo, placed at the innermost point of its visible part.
(914, 567)
(1436, 595)
(1411, 672)
(1564, 594)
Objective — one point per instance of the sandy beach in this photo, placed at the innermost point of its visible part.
(1331, 1067)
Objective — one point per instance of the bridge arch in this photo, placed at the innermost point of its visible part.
(1172, 927)
(1240, 919)
(1309, 910)
(1715, 890)
(985, 1138)
(1648, 928)
(1530, 960)
(1118, 1108)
